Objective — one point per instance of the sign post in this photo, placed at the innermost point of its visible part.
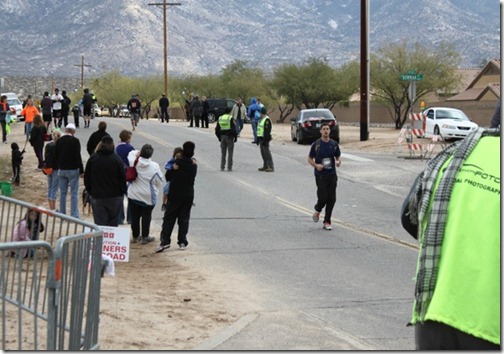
(412, 77)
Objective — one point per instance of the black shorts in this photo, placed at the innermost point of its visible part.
(46, 117)
(87, 110)
(56, 113)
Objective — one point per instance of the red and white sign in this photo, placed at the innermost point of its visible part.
(116, 243)
(418, 124)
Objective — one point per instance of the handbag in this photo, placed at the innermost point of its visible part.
(131, 172)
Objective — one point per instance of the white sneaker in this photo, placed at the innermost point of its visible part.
(327, 226)
(182, 247)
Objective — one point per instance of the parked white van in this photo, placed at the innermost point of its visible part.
(14, 102)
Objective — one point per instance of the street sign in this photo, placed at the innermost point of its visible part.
(411, 76)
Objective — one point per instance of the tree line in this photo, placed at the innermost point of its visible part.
(311, 84)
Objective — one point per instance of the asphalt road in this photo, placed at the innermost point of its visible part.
(309, 289)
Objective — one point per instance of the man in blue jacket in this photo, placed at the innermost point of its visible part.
(254, 113)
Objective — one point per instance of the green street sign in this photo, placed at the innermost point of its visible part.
(411, 76)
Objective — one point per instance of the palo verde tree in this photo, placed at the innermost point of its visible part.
(112, 89)
(149, 90)
(438, 67)
(310, 85)
(241, 80)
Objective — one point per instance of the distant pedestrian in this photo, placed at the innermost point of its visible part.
(180, 198)
(76, 113)
(70, 168)
(37, 135)
(46, 105)
(87, 105)
(225, 130)
(196, 111)
(4, 110)
(143, 192)
(324, 157)
(65, 108)
(239, 112)
(134, 107)
(254, 114)
(187, 109)
(105, 181)
(57, 100)
(29, 112)
(96, 137)
(122, 150)
(264, 128)
(16, 161)
(25, 102)
(205, 109)
(164, 103)
(50, 169)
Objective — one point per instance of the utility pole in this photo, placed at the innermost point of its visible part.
(364, 72)
(82, 65)
(165, 48)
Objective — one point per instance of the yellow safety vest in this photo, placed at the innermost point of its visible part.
(225, 122)
(260, 126)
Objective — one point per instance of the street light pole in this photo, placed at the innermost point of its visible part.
(165, 46)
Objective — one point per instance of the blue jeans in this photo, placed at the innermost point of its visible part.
(69, 178)
(28, 127)
(254, 124)
(52, 185)
(239, 126)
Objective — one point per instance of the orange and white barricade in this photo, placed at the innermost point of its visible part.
(418, 125)
(436, 139)
(404, 137)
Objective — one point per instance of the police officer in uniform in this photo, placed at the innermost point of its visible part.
(263, 140)
(225, 130)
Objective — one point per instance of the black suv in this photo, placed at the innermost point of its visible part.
(218, 107)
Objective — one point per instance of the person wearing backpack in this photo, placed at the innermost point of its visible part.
(254, 113)
(324, 157)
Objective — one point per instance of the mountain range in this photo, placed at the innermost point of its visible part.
(49, 37)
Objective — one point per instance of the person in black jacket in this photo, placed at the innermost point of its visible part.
(51, 170)
(204, 115)
(105, 181)
(16, 160)
(180, 198)
(37, 134)
(164, 103)
(65, 108)
(87, 104)
(69, 163)
(46, 106)
(96, 137)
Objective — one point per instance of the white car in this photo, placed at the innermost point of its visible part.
(449, 123)
(97, 110)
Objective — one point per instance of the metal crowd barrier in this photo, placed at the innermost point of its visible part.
(50, 286)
